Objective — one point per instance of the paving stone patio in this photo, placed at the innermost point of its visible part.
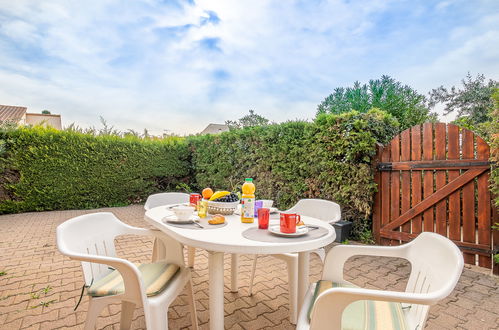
(40, 287)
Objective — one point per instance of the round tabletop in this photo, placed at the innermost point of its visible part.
(229, 239)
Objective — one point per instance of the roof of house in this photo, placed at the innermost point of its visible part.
(215, 128)
(11, 112)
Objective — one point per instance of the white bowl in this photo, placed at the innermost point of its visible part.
(183, 212)
(267, 203)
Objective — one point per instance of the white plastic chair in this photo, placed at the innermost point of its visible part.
(166, 199)
(436, 265)
(325, 210)
(90, 239)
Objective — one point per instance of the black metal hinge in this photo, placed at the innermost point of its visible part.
(385, 166)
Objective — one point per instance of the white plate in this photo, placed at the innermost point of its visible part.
(300, 230)
(171, 217)
(238, 210)
(170, 207)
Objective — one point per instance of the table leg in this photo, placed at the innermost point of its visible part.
(216, 289)
(234, 272)
(303, 273)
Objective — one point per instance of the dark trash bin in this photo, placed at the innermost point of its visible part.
(342, 229)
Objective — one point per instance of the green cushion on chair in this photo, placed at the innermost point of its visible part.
(365, 314)
(155, 277)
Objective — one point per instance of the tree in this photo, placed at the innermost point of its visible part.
(473, 103)
(401, 101)
(251, 120)
(45, 112)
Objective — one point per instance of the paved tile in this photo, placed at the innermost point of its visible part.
(41, 287)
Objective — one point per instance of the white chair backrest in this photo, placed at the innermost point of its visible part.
(318, 208)
(436, 265)
(165, 199)
(91, 234)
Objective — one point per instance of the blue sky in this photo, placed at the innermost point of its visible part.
(179, 65)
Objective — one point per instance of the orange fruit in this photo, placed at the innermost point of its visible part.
(207, 192)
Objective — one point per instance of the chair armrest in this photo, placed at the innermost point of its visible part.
(131, 275)
(329, 306)
(160, 252)
(139, 231)
(338, 255)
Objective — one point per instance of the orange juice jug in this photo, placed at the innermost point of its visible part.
(248, 201)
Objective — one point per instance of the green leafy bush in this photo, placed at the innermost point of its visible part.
(46, 169)
(329, 158)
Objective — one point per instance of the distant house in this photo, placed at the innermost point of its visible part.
(20, 116)
(215, 129)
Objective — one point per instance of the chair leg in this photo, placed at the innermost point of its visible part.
(158, 250)
(95, 306)
(252, 278)
(156, 317)
(293, 289)
(192, 305)
(321, 253)
(127, 309)
(191, 253)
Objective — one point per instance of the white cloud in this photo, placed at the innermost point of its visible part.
(141, 64)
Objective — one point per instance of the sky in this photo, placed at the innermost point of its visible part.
(176, 66)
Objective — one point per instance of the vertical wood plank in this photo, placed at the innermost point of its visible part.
(416, 177)
(428, 221)
(495, 237)
(454, 198)
(468, 201)
(385, 192)
(405, 204)
(484, 206)
(441, 207)
(395, 183)
(377, 199)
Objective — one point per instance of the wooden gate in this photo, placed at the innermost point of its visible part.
(435, 177)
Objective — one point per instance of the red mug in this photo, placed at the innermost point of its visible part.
(288, 222)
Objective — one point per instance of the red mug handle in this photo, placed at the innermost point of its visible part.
(298, 218)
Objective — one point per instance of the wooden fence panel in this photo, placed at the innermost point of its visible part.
(416, 177)
(440, 179)
(468, 198)
(454, 198)
(484, 203)
(435, 177)
(405, 177)
(395, 183)
(428, 221)
(385, 193)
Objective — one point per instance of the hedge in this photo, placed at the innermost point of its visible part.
(494, 149)
(46, 169)
(329, 158)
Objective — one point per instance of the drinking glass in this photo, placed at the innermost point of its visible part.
(263, 218)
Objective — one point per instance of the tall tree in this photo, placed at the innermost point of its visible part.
(473, 103)
(401, 101)
(250, 120)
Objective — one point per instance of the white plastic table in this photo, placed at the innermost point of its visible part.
(229, 239)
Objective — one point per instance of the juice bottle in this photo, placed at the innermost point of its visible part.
(248, 201)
